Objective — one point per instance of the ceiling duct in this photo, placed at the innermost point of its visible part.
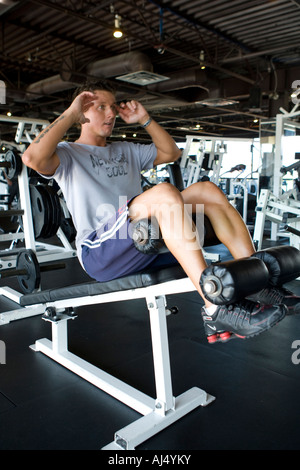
(181, 80)
(217, 96)
(6, 5)
(105, 68)
(48, 86)
(120, 65)
(188, 86)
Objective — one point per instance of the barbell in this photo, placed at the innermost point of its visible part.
(12, 163)
(28, 271)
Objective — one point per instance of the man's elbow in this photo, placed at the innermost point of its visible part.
(178, 153)
(27, 159)
(38, 164)
(175, 155)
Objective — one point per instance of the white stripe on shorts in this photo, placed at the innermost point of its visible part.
(109, 234)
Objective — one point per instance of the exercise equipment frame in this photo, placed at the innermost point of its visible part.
(279, 211)
(157, 413)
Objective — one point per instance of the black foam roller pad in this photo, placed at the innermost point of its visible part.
(230, 281)
(147, 237)
(283, 263)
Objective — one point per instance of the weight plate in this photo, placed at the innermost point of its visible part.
(48, 211)
(15, 164)
(39, 211)
(59, 211)
(68, 228)
(54, 201)
(29, 282)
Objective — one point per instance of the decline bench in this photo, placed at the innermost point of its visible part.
(58, 307)
(280, 264)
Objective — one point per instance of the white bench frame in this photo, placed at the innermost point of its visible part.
(157, 413)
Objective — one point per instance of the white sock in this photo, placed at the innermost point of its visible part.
(211, 310)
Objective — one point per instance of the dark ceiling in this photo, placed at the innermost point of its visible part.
(250, 50)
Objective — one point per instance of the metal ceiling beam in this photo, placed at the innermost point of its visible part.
(259, 10)
(140, 38)
(39, 33)
(258, 54)
(85, 18)
(210, 65)
(296, 2)
(190, 19)
(207, 123)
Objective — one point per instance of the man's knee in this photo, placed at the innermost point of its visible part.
(169, 193)
(155, 201)
(163, 193)
(215, 194)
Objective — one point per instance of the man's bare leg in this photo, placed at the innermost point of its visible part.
(225, 219)
(165, 203)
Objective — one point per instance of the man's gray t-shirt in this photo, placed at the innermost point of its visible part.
(97, 181)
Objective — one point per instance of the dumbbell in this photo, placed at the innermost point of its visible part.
(12, 163)
(28, 271)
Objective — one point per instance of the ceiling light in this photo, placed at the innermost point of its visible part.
(118, 32)
(201, 58)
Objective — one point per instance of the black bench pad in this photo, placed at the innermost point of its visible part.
(142, 279)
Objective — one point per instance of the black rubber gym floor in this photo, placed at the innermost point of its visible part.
(256, 382)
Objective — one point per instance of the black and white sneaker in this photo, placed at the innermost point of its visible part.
(278, 295)
(241, 320)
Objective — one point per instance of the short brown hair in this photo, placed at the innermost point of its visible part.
(94, 86)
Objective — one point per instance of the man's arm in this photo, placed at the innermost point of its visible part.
(167, 150)
(41, 154)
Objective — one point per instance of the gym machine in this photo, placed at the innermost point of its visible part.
(207, 161)
(12, 164)
(280, 211)
(273, 204)
(40, 208)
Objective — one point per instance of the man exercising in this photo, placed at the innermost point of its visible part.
(102, 186)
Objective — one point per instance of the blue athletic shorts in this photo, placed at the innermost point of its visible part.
(109, 253)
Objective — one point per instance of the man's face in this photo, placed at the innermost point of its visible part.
(102, 114)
